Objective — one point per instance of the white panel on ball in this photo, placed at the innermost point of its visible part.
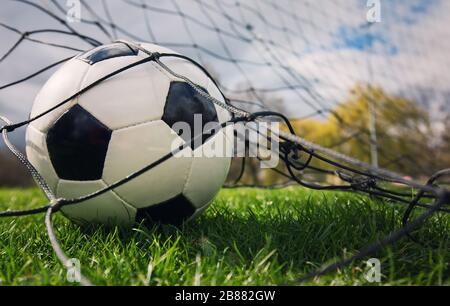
(63, 84)
(184, 68)
(107, 208)
(132, 149)
(38, 156)
(140, 93)
(207, 174)
(180, 66)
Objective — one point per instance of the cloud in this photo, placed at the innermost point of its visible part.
(321, 47)
(403, 57)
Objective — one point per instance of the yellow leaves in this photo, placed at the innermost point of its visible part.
(402, 127)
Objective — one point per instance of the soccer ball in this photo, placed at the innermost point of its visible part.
(120, 126)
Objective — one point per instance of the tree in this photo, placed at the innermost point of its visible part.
(403, 130)
(443, 145)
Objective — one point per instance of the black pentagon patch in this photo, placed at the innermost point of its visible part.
(77, 144)
(174, 211)
(108, 51)
(182, 104)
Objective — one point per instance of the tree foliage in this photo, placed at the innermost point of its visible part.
(404, 133)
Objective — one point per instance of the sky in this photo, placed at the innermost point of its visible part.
(309, 54)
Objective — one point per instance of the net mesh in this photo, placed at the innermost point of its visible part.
(378, 89)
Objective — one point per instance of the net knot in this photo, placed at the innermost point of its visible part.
(154, 55)
(8, 128)
(358, 182)
(290, 149)
(57, 203)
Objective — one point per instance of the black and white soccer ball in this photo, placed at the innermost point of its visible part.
(120, 126)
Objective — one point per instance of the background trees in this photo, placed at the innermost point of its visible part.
(408, 141)
(404, 132)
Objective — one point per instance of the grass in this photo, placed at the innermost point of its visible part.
(246, 237)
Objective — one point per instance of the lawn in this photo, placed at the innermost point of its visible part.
(246, 237)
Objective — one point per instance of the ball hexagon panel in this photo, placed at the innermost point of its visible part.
(209, 170)
(133, 148)
(77, 144)
(64, 83)
(173, 211)
(184, 68)
(182, 105)
(107, 208)
(37, 153)
(139, 93)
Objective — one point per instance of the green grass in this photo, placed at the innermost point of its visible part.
(246, 237)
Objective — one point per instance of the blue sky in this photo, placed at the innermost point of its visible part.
(363, 40)
(417, 9)
(366, 35)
